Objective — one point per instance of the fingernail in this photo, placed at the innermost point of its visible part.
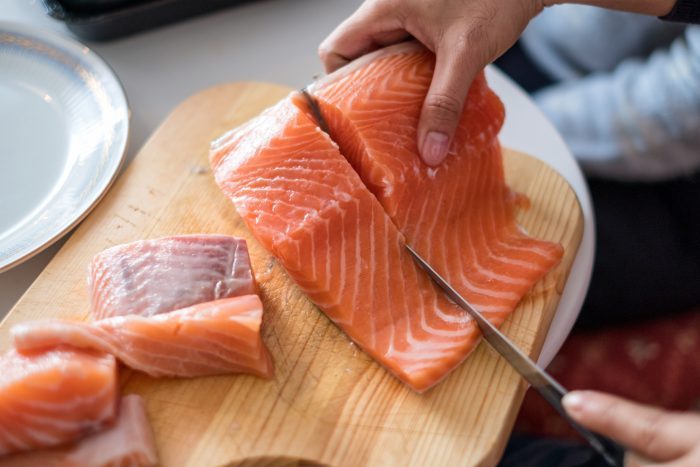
(575, 402)
(434, 148)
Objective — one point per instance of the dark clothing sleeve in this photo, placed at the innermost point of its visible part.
(684, 11)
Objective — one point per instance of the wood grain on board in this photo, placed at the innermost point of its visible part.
(328, 402)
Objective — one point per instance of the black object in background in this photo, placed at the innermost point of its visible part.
(684, 11)
(530, 451)
(517, 64)
(109, 19)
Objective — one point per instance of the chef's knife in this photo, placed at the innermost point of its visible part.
(551, 390)
(548, 387)
(315, 109)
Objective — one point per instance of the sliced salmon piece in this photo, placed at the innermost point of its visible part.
(212, 338)
(460, 216)
(306, 204)
(149, 277)
(54, 397)
(128, 442)
(336, 233)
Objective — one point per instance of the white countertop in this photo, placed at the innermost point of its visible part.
(276, 41)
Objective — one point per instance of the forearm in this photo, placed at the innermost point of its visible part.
(639, 122)
(645, 7)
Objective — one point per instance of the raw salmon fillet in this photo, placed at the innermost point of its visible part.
(149, 277)
(337, 210)
(305, 204)
(128, 442)
(212, 338)
(54, 397)
(460, 216)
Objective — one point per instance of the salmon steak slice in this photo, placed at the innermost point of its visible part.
(54, 397)
(212, 338)
(337, 210)
(149, 277)
(460, 215)
(305, 204)
(128, 442)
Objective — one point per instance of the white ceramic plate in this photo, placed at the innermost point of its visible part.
(64, 123)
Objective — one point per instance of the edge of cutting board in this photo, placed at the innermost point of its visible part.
(314, 411)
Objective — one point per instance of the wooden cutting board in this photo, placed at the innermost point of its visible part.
(328, 402)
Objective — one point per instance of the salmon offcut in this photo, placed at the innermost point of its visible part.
(128, 442)
(337, 209)
(212, 338)
(149, 277)
(55, 397)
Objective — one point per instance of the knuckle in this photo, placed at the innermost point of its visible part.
(476, 31)
(474, 38)
(466, 39)
(384, 10)
(469, 46)
(443, 106)
(377, 7)
(650, 428)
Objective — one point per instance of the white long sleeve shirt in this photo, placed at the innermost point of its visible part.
(628, 101)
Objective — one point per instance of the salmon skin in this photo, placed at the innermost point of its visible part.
(337, 210)
(128, 442)
(212, 338)
(149, 277)
(55, 397)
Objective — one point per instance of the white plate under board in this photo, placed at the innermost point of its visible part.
(64, 125)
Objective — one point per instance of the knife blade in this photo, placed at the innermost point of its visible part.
(315, 109)
(548, 387)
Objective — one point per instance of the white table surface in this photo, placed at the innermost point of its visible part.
(276, 41)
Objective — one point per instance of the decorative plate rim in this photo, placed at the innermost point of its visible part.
(70, 47)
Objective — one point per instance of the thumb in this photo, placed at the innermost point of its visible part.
(653, 433)
(455, 68)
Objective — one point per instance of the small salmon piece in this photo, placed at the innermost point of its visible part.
(53, 397)
(150, 277)
(212, 338)
(128, 442)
